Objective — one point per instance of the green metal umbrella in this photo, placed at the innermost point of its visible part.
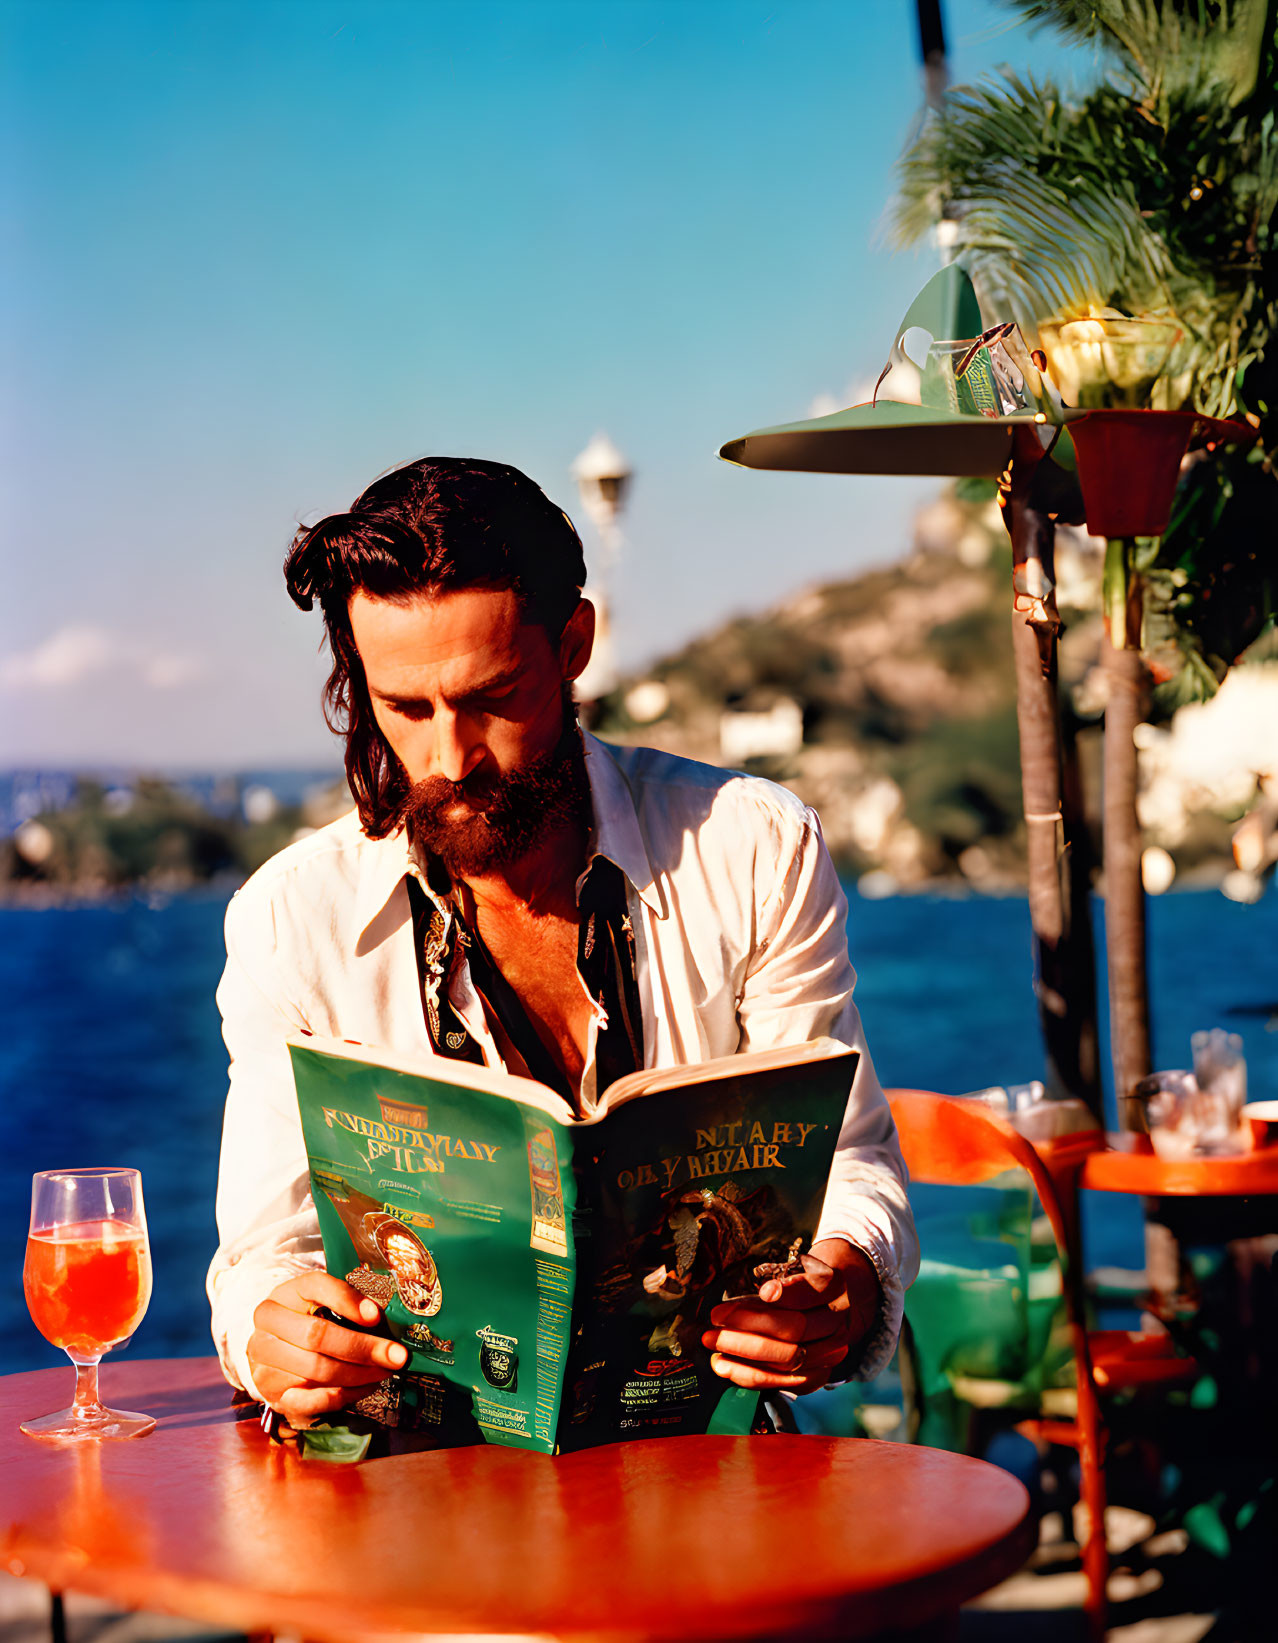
(1127, 460)
(887, 438)
(892, 437)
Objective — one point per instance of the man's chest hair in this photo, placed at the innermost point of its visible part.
(537, 954)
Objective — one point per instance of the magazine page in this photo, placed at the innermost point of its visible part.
(689, 1190)
(648, 1080)
(452, 1207)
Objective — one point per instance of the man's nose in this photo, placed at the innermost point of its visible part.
(458, 748)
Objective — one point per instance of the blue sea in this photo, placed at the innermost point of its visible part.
(110, 1052)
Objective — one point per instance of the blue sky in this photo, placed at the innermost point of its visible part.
(264, 251)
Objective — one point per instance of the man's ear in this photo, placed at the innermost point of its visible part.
(577, 641)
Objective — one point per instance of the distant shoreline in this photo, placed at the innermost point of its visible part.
(41, 896)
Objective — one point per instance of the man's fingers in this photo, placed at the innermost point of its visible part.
(757, 1348)
(300, 1364)
(305, 1365)
(302, 1405)
(277, 1387)
(764, 1349)
(759, 1320)
(754, 1376)
(311, 1289)
(301, 1401)
(308, 1332)
(817, 1285)
(825, 1355)
(813, 1370)
(777, 1322)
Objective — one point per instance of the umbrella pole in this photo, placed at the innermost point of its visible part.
(1064, 965)
(1125, 933)
(1127, 683)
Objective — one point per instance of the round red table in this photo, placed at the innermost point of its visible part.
(1127, 1166)
(1200, 1200)
(674, 1538)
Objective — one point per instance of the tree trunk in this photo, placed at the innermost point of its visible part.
(1064, 966)
(1080, 938)
(1124, 892)
(1129, 1035)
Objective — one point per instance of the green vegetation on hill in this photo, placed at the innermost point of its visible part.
(154, 834)
(904, 676)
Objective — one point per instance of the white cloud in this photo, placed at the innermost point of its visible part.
(79, 652)
(824, 404)
(67, 657)
(166, 670)
(901, 383)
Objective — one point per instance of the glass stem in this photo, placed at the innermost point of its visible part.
(85, 1404)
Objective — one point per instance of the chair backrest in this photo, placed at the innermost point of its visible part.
(963, 1143)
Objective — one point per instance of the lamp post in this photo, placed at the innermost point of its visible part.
(603, 479)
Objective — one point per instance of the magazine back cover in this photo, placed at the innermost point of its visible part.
(452, 1208)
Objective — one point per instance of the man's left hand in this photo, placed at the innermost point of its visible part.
(802, 1326)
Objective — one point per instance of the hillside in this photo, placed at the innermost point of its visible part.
(903, 677)
(887, 701)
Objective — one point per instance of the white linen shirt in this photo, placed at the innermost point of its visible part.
(740, 933)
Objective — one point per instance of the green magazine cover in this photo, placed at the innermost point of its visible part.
(550, 1274)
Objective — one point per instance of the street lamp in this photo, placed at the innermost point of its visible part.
(603, 478)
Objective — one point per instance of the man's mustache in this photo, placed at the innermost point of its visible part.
(433, 793)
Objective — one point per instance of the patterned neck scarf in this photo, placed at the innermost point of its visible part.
(605, 961)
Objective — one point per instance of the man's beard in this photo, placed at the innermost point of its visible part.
(508, 815)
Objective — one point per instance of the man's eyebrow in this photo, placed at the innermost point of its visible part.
(495, 681)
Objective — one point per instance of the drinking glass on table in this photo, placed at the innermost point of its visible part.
(88, 1281)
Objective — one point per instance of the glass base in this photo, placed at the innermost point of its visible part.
(75, 1426)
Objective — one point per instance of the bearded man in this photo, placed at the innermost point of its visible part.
(513, 892)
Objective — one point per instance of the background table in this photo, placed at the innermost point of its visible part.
(1202, 1200)
(675, 1538)
(1123, 1167)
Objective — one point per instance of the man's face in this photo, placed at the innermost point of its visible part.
(470, 699)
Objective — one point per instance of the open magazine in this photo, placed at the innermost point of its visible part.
(552, 1275)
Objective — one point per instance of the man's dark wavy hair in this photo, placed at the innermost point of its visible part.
(441, 523)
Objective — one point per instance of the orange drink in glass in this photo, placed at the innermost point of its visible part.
(87, 1284)
(87, 1280)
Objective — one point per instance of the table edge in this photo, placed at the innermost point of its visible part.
(1254, 1175)
(818, 1614)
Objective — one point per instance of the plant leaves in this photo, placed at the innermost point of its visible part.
(334, 1443)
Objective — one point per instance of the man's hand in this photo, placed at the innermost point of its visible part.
(307, 1367)
(802, 1326)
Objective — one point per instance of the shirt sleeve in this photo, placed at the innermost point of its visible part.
(799, 986)
(267, 1227)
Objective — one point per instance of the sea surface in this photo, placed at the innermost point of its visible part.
(110, 1052)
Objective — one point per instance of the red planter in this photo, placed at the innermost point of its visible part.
(1129, 461)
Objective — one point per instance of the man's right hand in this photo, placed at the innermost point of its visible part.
(305, 1366)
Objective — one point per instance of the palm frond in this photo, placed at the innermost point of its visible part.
(1067, 205)
(1168, 47)
(1155, 192)
(1037, 252)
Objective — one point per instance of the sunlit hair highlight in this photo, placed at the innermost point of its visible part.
(435, 525)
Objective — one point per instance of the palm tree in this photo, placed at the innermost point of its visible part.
(1150, 195)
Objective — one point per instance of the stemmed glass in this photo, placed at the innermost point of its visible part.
(88, 1281)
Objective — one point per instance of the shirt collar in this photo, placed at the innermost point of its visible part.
(386, 863)
(617, 831)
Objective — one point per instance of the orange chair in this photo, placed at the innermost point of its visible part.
(964, 1143)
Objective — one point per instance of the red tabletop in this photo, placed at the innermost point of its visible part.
(1124, 1168)
(673, 1538)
